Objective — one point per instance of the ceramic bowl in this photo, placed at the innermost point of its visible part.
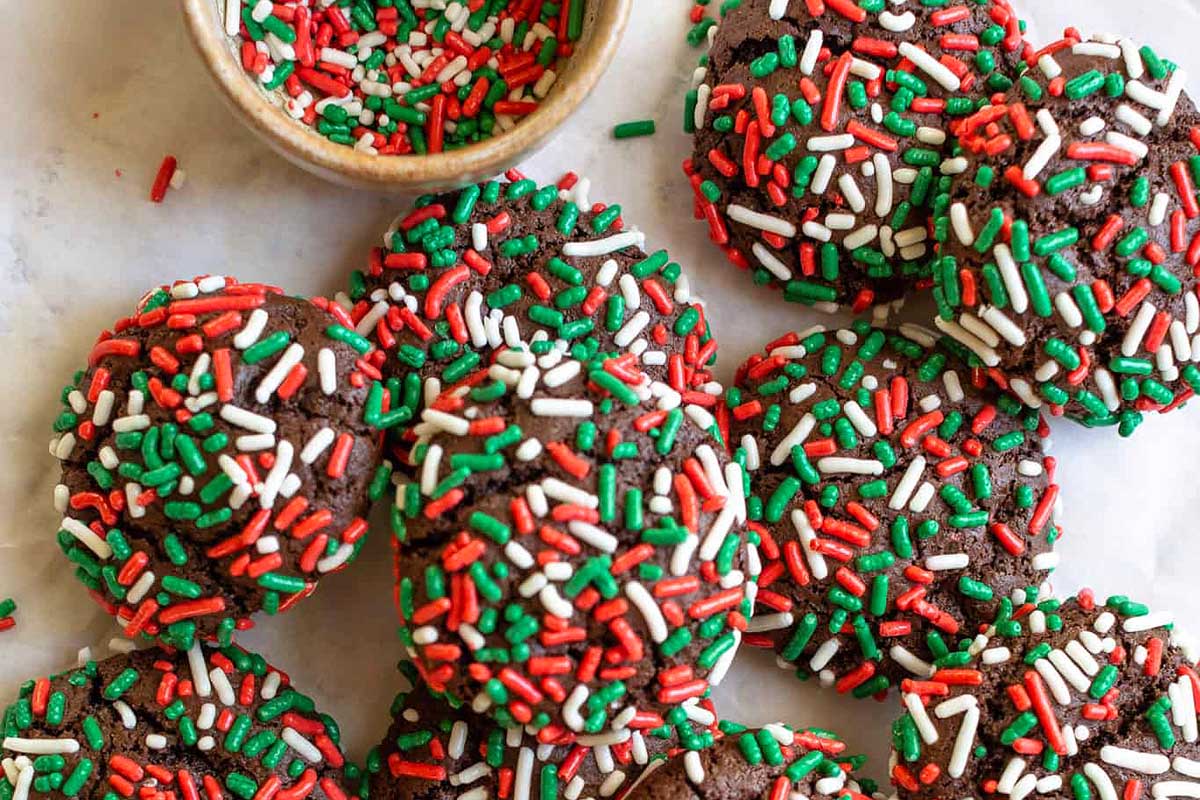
(604, 24)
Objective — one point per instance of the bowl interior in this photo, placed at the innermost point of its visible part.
(604, 22)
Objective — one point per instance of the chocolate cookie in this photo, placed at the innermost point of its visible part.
(897, 506)
(514, 266)
(769, 763)
(574, 546)
(161, 723)
(1075, 234)
(217, 455)
(434, 751)
(821, 149)
(1062, 700)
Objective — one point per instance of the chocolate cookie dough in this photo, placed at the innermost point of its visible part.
(821, 148)
(160, 723)
(217, 454)
(516, 266)
(897, 506)
(434, 751)
(1075, 235)
(1070, 700)
(769, 763)
(575, 544)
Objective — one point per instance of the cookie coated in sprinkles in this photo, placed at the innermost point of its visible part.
(821, 148)
(206, 723)
(898, 506)
(774, 762)
(1074, 242)
(575, 558)
(217, 456)
(1076, 699)
(434, 751)
(511, 265)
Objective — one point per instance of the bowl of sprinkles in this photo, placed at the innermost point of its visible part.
(405, 95)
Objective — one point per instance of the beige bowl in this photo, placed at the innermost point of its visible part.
(603, 26)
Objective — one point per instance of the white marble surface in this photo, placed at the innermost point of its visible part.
(97, 92)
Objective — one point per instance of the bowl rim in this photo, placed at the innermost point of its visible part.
(300, 143)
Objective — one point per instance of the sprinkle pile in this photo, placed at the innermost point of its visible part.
(774, 762)
(463, 276)
(440, 752)
(1071, 699)
(821, 148)
(575, 548)
(207, 723)
(400, 77)
(217, 454)
(1075, 234)
(897, 506)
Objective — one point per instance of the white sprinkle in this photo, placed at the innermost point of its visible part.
(40, 746)
(960, 221)
(303, 747)
(771, 262)
(812, 51)
(602, 247)
(764, 222)
(248, 420)
(1133, 58)
(1137, 328)
(1120, 140)
(947, 561)
(852, 193)
(1091, 126)
(1175, 86)
(253, 329)
(1012, 278)
(824, 144)
(957, 332)
(806, 534)
(907, 483)
(897, 23)
(1146, 622)
(1041, 157)
(851, 466)
(928, 64)
(220, 683)
(1103, 783)
(87, 537)
(199, 670)
(1136, 760)
(916, 710)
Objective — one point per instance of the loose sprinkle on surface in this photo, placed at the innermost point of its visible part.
(634, 128)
